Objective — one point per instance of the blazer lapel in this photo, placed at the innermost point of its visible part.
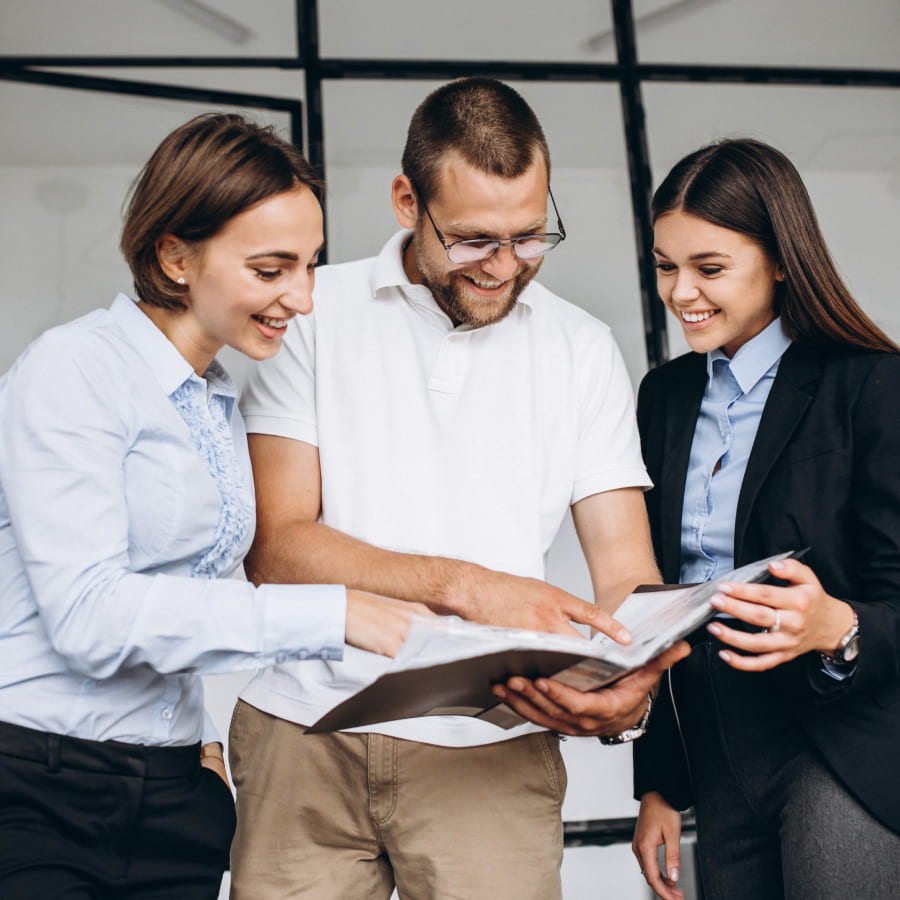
(791, 394)
(682, 408)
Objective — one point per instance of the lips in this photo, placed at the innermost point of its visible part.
(695, 317)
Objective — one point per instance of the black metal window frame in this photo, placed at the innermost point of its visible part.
(307, 132)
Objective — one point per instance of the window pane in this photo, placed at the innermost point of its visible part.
(189, 28)
(507, 30)
(815, 33)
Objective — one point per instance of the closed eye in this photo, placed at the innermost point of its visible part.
(268, 274)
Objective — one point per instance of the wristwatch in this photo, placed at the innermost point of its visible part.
(631, 734)
(848, 648)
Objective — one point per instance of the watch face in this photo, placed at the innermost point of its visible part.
(851, 651)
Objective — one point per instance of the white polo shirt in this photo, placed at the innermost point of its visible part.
(461, 442)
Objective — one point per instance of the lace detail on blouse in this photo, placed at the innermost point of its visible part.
(211, 435)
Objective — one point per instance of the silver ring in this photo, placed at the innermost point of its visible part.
(777, 625)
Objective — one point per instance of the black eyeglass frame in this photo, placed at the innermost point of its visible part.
(510, 242)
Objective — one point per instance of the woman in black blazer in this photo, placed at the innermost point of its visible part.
(781, 431)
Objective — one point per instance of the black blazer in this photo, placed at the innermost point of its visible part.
(824, 472)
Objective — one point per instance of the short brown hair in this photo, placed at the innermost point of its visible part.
(749, 187)
(484, 120)
(203, 174)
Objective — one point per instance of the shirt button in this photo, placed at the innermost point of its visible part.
(167, 714)
(303, 654)
(280, 658)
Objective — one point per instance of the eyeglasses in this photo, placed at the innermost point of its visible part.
(528, 246)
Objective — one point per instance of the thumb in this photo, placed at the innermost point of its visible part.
(673, 863)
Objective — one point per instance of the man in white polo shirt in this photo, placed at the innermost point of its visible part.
(422, 435)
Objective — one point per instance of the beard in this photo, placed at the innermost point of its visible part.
(453, 294)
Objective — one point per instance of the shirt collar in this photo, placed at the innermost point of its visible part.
(388, 273)
(169, 367)
(755, 358)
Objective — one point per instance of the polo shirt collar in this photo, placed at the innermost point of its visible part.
(754, 359)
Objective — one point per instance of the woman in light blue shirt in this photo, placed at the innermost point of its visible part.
(126, 499)
(779, 432)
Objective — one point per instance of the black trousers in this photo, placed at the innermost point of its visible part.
(88, 820)
(773, 820)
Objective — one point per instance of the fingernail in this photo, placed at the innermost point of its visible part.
(673, 874)
(542, 686)
(499, 691)
(718, 601)
(725, 655)
(712, 628)
(778, 564)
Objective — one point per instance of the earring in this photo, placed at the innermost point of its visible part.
(181, 280)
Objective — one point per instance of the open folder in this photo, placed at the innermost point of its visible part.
(447, 666)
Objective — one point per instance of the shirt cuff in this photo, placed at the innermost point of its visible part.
(304, 621)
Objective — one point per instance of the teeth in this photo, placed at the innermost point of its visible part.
(698, 317)
(272, 323)
(489, 286)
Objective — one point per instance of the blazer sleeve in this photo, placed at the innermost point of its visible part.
(873, 529)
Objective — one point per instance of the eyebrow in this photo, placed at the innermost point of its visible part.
(275, 254)
(707, 254)
(282, 254)
(458, 230)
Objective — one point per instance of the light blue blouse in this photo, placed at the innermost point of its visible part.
(732, 405)
(126, 498)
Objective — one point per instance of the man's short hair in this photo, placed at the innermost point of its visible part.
(484, 120)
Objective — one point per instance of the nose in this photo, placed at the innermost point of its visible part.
(685, 288)
(298, 297)
(503, 264)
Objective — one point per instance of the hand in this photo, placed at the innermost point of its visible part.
(379, 624)
(658, 825)
(497, 598)
(603, 712)
(799, 618)
(211, 757)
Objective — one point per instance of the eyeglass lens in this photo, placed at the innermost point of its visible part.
(526, 247)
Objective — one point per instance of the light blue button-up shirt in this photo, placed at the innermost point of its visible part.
(115, 518)
(736, 392)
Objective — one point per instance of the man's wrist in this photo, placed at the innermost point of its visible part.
(631, 734)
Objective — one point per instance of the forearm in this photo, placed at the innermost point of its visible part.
(312, 553)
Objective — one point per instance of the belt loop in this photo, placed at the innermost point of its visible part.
(53, 753)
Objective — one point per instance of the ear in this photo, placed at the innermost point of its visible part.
(405, 202)
(172, 254)
(779, 272)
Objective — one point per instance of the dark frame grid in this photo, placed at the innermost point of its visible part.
(626, 71)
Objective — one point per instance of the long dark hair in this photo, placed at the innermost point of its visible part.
(749, 187)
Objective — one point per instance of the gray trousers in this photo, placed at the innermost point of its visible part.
(773, 821)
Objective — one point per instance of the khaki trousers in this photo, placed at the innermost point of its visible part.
(349, 816)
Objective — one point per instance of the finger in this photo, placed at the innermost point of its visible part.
(667, 659)
(588, 614)
(794, 571)
(534, 714)
(759, 663)
(673, 862)
(749, 641)
(752, 612)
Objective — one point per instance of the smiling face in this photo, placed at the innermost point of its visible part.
(718, 283)
(473, 204)
(246, 282)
